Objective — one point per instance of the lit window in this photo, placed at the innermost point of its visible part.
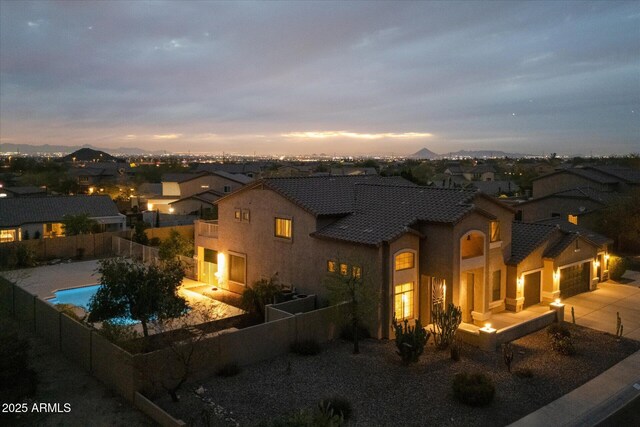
(404, 261)
(495, 231)
(404, 301)
(573, 219)
(245, 215)
(283, 228)
(204, 187)
(497, 278)
(356, 272)
(331, 266)
(7, 235)
(237, 269)
(344, 268)
(237, 214)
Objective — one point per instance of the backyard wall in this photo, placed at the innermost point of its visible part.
(163, 232)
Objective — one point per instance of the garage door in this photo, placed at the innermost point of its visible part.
(531, 289)
(574, 280)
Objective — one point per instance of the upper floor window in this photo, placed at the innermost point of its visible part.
(227, 189)
(245, 215)
(404, 261)
(356, 272)
(237, 214)
(283, 228)
(495, 231)
(344, 269)
(573, 219)
(331, 266)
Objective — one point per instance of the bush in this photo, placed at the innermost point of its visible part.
(155, 241)
(229, 370)
(339, 405)
(617, 267)
(21, 256)
(17, 380)
(473, 389)
(561, 341)
(306, 347)
(72, 311)
(118, 332)
(410, 340)
(524, 373)
(263, 292)
(445, 324)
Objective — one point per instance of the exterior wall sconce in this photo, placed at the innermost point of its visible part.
(149, 206)
(556, 275)
(596, 263)
(171, 210)
(606, 257)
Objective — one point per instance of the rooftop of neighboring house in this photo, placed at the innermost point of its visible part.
(150, 188)
(600, 174)
(24, 191)
(24, 210)
(184, 177)
(603, 197)
(568, 227)
(208, 197)
(235, 168)
(181, 176)
(353, 171)
(495, 187)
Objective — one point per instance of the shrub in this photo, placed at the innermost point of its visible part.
(118, 332)
(155, 241)
(17, 380)
(339, 405)
(617, 267)
(72, 311)
(263, 292)
(473, 389)
(139, 235)
(175, 245)
(229, 370)
(308, 347)
(524, 372)
(561, 341)
(445, 324)
(410, 340)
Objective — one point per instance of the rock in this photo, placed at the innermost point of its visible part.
(200, 391)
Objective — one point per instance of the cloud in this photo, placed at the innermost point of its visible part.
(228, 71)
(168, 136)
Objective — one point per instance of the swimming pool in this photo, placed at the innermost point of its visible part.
(80, 297)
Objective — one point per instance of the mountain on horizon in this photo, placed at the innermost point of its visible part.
(66, 149)
(425, 153)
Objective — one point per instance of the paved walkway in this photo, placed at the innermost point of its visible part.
(594, 401)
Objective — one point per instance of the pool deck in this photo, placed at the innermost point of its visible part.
(45, 280)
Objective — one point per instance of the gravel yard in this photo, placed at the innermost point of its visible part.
(383, 392)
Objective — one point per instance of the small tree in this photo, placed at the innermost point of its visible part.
(139, 235)
(78, 224)
(263, 292)
(141, 292)
(353, 287)
(175, 245)
(445, 324)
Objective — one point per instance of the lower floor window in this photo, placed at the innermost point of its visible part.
(7, 235)
(404, 301)
(237, 269)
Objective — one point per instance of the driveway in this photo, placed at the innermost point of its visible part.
(597, 309)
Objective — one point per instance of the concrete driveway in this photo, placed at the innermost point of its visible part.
(597, 309)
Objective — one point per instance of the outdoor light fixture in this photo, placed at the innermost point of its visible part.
(596, 263)
(556, 275)
(149, 206)
(606, 257)
(488, 328)
(171, 210)
(557, 303)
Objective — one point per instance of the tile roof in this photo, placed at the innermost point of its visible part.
(234, 168)
(631, 176)
(568, 227)
(495, 187)
(24, 210)
(242, 179)
(587, 173)
(327, 195)
(527, 237)
(556, 249)
(25, 190)
(208, 196)
(383, 212)
(180, 177)
(603, 197)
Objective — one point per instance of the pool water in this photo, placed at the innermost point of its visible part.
(80, 297)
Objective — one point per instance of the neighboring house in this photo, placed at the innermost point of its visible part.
(251, 170)
(419, 246)
(353, 171)
(601, 178)
(292, 170)
(578, 205)
(44, 215)
(496, 188)
(182, 185)
(479, 172)
(93, 174)
(22, 191)
(196, 203)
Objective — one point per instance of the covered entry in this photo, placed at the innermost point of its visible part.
(574, 279)
(532, 289)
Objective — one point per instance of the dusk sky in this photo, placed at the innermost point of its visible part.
(311, 77)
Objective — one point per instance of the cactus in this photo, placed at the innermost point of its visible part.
(410, 340)
(445, 324)
(619, 325)
(507, 355)
(573, 316)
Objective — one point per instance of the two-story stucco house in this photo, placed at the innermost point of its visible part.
(418, 246)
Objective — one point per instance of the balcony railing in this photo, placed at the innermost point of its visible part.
(207, 228)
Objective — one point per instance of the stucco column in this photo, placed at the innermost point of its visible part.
(550, 282)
